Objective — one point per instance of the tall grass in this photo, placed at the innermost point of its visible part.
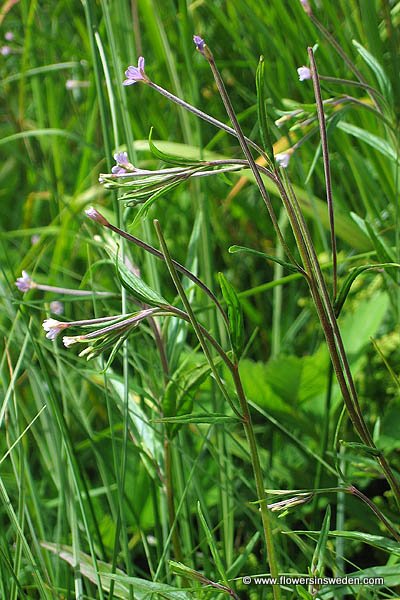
(133, 477)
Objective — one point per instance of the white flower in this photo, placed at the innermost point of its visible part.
(53, 328)
(304, 73)
(283, 159)
(68, 341)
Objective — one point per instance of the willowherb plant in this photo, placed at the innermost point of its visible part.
(144, 187)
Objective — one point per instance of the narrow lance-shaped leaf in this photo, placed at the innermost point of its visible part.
(235, 315)
(287, 265)
(171, 159)
(376, 67)
(134, 284)
(144, 209)
(143, 589)
(212, 545)
(317, 563)
(212, 418)
(261, 110)
(354, 273)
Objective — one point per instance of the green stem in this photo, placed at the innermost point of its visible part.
(190, 314)
(355, 492)
(176, 543)
(327, 167)
(245, 416)
(255, 461)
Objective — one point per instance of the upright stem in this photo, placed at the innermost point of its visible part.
(169, 488)
(255, 461)
(327, 167)
(176, 543)
(245, 416)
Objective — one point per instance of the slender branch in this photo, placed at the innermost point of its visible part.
(327, 168)
(265, 514)
(195, 324)
(355, 492)
(202, 115)
(99, 218)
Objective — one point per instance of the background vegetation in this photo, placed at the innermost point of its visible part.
(82, 458)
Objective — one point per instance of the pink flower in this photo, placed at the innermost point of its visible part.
(135, 74)
(199, 42)
(53, 328)
(25, 283)
(304, 73)
(123, 165)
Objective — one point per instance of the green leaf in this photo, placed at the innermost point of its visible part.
(289, 266)
(180, 569)
(212, 545)
(171, 158)
(304, 593)
(376, 541)
(375, 141)
(358, 446)
(383, 252)
(212, 418)
(359, 326)
(354, 273)
(317, 563)
(390, 575)
(179, 393)
(262, 111)
(242, 558)
(235, 315)
(383, 80)
(142, 588)
(144, 209)
(134, 284)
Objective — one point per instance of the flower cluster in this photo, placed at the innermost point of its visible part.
(107, 337)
